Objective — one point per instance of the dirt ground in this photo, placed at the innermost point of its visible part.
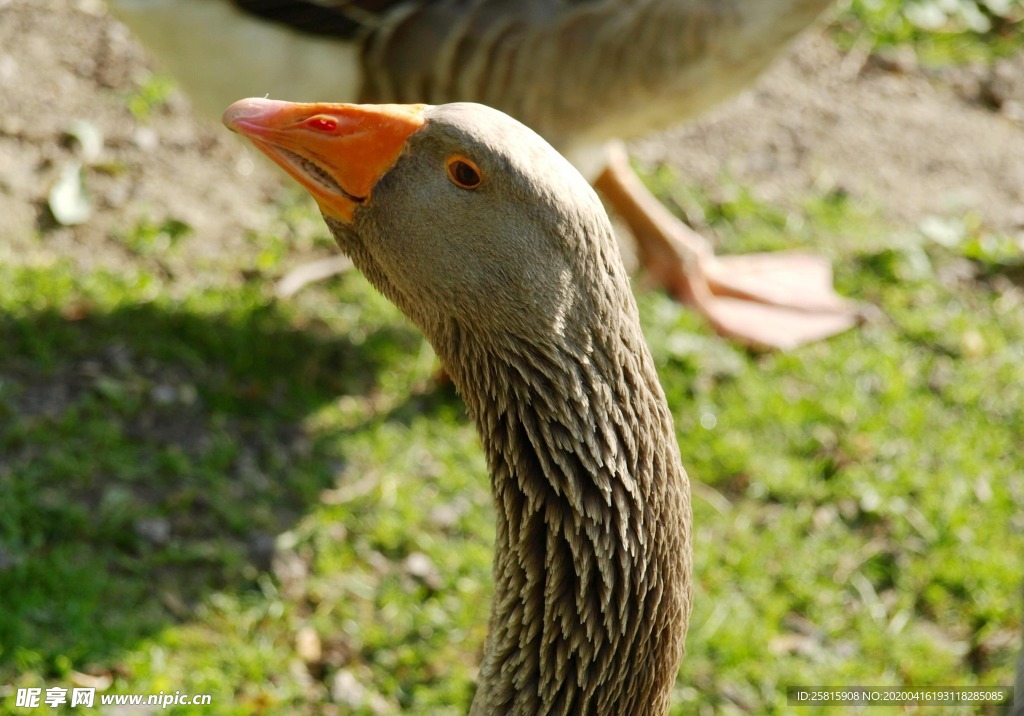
(905, 141)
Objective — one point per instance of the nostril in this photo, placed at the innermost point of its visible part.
(322, 123)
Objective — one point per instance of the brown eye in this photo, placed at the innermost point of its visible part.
(463, 173)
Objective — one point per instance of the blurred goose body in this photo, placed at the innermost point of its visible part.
(582, 73)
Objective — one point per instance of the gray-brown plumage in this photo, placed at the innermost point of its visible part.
(578, 72)
(582, 73)
(502, 255)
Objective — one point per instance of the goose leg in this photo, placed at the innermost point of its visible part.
(773, 300)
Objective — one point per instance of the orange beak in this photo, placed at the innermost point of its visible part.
(338, 152)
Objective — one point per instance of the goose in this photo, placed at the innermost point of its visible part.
(584, 74)
(499, 251)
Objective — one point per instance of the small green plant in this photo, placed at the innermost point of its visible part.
(150, 239)
(152, 93)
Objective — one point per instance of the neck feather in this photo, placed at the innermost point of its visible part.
(592, 561)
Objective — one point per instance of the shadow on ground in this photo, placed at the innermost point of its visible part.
(149, 456)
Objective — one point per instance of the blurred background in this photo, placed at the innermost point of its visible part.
(209, 489)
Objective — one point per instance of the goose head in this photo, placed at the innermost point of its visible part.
(459, 215)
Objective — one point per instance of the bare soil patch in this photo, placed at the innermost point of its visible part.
(909, 143)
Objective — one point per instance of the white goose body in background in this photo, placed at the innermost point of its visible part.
(582, 73)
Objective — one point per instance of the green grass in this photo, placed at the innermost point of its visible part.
(942, 32)
(196, 478)
(190, 482)
(861, 519)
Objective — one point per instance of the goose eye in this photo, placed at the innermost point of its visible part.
(463, 173)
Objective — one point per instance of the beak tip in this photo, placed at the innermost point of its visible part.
(252, 109)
